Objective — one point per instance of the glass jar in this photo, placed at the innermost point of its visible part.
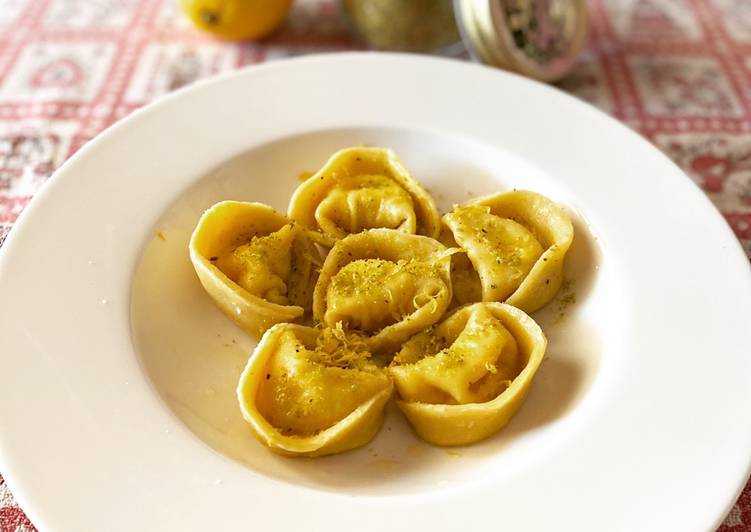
(537, 38)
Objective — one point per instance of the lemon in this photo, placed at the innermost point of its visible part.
(236, 20)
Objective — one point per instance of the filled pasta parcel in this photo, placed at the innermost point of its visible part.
(463, 380)
(312, 391)
(516, 243)
(384, 285)
(363, 188)
(257, 266)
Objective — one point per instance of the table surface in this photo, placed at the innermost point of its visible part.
(677, 71)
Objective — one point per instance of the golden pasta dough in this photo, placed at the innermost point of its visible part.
(516, 242)
(384, 285)
(259, 268)
(465, 282)
(462, 380)
(310, 392)
(363, 188)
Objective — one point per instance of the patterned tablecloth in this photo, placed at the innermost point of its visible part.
(678, 71)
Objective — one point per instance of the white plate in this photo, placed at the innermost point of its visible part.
(117, 408)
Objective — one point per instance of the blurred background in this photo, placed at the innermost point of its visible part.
(677, 71)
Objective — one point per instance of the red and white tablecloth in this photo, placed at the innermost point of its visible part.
(678, 71)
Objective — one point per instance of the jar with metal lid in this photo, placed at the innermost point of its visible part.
(537, 38)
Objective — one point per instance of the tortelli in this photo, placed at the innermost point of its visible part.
(307, 391)
(363, 188)
(384, 285)
(462, 380)
(256, 265)
(362, 288)
(516, 242)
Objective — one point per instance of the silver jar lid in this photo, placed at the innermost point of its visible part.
(537, 38)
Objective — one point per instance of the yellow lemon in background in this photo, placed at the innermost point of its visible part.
(236, 20)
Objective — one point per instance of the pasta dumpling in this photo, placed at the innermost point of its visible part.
(259, 268)
(383, 285)
(462, 380)
(312, 392)
(516, 242)
(359, 189)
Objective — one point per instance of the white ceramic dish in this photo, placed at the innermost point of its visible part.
(117, 409)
